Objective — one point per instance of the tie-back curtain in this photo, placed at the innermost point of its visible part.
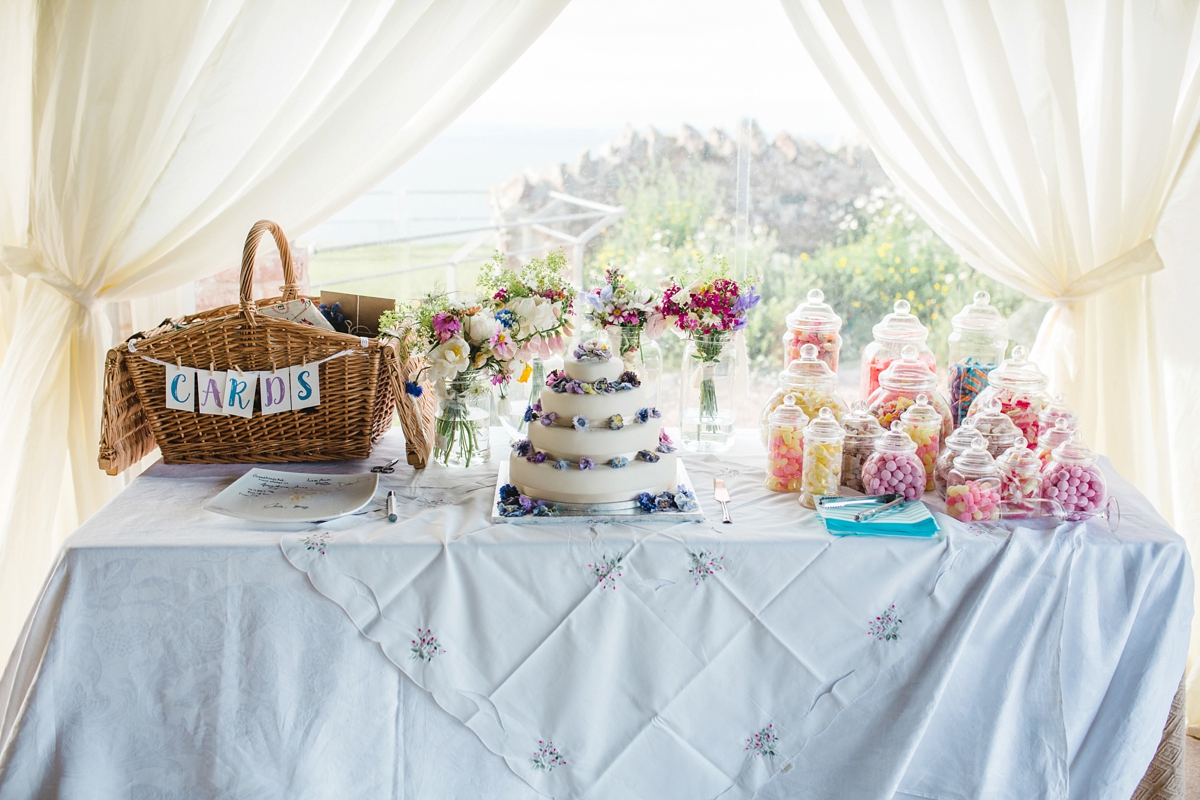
(141, 140)
(1042, 140)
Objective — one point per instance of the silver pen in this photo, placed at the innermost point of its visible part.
(391, 507)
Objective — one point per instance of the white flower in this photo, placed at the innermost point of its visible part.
(481, 327)
(448, 358)
(536, 315)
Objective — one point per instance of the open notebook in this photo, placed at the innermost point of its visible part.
(913, 519)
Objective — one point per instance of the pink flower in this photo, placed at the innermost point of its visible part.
(446, 326)
(502, 345)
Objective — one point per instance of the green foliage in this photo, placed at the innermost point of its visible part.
(540, 277)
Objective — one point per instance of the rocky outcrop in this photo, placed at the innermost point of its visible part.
(797, 187)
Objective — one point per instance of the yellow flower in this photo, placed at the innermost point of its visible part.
(804, 256)
(911, 294)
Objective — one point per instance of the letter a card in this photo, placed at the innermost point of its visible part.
(239, 393)
(306, 386)
(181, 388)
(210, 391)
(274, 390)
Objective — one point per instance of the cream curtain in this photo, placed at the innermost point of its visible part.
(1043, 140)
(141, 140)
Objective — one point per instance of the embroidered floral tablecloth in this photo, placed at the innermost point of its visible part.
(177, 654)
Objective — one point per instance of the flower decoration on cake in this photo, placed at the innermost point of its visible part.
(593, 351)
(579, 422)
(586, 463)
(630, 377)
(679, 500)
(642, 416)
(616, 422)
(514, 504)
(560, 383)
(561, 463)
(534, 411)
(548, 418)
(536, 457)
(663, 438)
(535, 300)
(685, 500)
(647, 456)
(523, 448)
(618, 462)
(665, 448)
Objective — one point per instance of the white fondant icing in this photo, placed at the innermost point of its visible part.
(589, 371)
(602, 484)
(595, 406)
(597, 444)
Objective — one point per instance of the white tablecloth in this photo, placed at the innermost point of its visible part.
(176, 653)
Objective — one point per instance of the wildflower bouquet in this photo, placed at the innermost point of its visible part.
(620, 304)
(534, 302)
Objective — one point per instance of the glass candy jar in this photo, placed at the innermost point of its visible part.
(973, 485)
(813, 322)
(822, 475)
(1073, 479)
(893, 467)
(1021, 389)
(923, 424)
(639, 354)
(1020, 472)
(1058, 408)
(995, 426)
(861, 432)
(899, 386)
(709, 401)
(892, 334)
(785, 447)
(954, 446)
(978, 339)
(811, 382)
(1052, 438)
(462, 424)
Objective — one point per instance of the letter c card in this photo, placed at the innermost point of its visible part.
(181, 388)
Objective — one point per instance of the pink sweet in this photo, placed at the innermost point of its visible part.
(1077, 488)
(972, 501)
(900, 473)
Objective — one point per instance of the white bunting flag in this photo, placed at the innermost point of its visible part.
(306, 386)
(275, 391)
(239, 393)
(210, 391)
(181, 388)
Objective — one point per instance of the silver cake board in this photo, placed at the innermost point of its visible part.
(628, 511)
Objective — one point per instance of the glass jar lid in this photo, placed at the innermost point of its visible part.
(1019, 458)
(814, 314)
(860, 424)
(995, 424)
(901, 326)
(908, 373)
(1057, 409)
(976, 461)
(981, 317)
(788, 413)
(808, 372)
(1052, 438)
(824, 427)
(895, 441)
(921, 413)
(962, 436)
(1074, 451)
(1017, 372)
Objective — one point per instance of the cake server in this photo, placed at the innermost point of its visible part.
(722, 495)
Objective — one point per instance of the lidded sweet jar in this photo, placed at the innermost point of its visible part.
(862, 430)
(822, 459)
(893, 467)
(954, 446)
(1073, 479)
(785, 446)
(892, 334)
(813, 322)
(1020, 472)
(811, 382)
(1058, 408)
(1052, 438)
(995, 426)
(973, 485)
(899, 386)
(1021, 389)
(923, 424)
(978, 339)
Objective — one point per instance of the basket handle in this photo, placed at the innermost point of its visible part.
(290, 288)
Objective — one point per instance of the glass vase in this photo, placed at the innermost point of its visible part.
(514, 397)
(708, 407)
(463, 423)
(638, 354)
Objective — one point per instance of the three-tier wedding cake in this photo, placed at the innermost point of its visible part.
(592, 437)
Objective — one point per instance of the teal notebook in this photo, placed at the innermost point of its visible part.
(913, 519)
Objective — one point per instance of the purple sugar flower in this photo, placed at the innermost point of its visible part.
(617, 462)
(548, 418)
(643, 415)
(647, 456)
(630, 377)
(523, 448)
(561, 463)
(536, 457)
(586, 463)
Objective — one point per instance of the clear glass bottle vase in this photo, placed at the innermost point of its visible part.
(514, 397)
(708, 402)
(638, 354)
(462, 426)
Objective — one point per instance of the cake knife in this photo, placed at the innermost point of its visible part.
(722, 495)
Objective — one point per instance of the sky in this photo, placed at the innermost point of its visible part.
(600, 65)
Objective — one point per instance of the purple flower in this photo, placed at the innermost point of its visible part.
(647, 456)
(574, 387)
(586, 463)
(508, 493)
(561, 463)
(664, 502)
(665, 448)
(527, 503)
(523, 448)
(617, 462)
(533, 412)
(536, 457)
(548, 418)
(643, 415)
(646, 502)
(655, 413)
(446, 326)
(630, 377)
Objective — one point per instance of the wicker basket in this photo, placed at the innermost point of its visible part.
(359, 390)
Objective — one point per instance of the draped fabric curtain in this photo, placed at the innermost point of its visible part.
(1042, 139)
(140, 141)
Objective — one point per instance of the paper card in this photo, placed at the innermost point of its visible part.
(360, 313)
(181, 388)
(275, 391)
(306, 386)
(239, 393)
(210, 390)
